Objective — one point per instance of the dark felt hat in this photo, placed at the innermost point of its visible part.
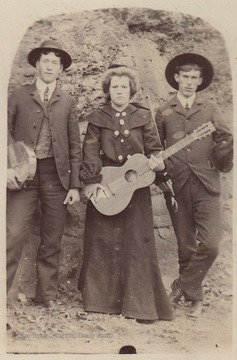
(51, 45)
(190, 58)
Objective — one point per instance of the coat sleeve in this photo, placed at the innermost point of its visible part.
(91, 164)
(74, 147)
(168, 171)
(160, 126)
(222, 153)
(11, 115)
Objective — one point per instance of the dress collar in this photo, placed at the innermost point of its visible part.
(111, 111)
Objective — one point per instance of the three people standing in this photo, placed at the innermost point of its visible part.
(120, 272)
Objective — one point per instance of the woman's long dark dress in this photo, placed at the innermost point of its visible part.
(120, 271)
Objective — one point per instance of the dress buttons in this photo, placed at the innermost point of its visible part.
(120, 157)
(116, 133)
(121, 122)
(38, 111)
(124, 113)
(126, 132)
(122, 140)
(117, 114)
(34, 126)
(188, 149)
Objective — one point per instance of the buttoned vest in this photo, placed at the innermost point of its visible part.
(44, 147)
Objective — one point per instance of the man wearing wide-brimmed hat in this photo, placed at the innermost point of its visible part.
(196, 178)
(44, 118)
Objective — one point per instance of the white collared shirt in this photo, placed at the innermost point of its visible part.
(186, 101)
(41, 86)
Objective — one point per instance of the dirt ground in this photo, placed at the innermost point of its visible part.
(68, 329)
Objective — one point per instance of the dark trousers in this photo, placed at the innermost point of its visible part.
(21, 206)
(197, 226)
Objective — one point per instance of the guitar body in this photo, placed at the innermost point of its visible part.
(22, 159)
(121, 182)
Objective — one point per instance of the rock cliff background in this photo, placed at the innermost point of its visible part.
(145, 40)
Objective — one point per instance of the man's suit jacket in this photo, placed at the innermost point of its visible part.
(25, 115)
(174, 122)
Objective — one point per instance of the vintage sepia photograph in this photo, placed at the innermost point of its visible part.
(118, 197)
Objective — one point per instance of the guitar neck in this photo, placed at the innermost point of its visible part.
(178, 146)
(202, 131)
(144, 167)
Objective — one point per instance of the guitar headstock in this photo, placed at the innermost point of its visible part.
(204, 130)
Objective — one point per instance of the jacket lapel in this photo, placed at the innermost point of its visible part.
(55, 96)
(196, 106)
(177, 106)
(35, 94)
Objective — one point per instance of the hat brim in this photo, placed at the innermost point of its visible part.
(33, 56)
(190, 58)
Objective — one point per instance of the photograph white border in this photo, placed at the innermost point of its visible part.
(15, 18)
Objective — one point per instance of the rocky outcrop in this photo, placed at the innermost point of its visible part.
(145, 40)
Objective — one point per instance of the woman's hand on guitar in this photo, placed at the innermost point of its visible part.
(156, 163)
(13, 180)
(95, 191)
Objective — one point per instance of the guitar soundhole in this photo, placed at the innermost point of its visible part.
(131, 176)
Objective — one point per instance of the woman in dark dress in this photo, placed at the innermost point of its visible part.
(120, 272)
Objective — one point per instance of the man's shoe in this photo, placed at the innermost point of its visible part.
(145, 322)
(195, 309)
(176, 292)
(50, 303)
(47, 304)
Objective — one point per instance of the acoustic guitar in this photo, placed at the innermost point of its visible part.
(22, 159)
(121, 182)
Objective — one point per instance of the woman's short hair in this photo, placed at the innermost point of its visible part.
(189, 67)
(119, 71)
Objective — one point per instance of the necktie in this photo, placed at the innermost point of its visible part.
(186, 107)
(46, 95)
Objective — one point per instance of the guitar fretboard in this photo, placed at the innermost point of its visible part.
(202, 131)
(178, 146)
(142, 169)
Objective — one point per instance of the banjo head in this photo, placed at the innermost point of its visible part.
(22, 159)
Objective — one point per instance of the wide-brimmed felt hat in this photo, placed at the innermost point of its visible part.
(51, 45)
(190, 58)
